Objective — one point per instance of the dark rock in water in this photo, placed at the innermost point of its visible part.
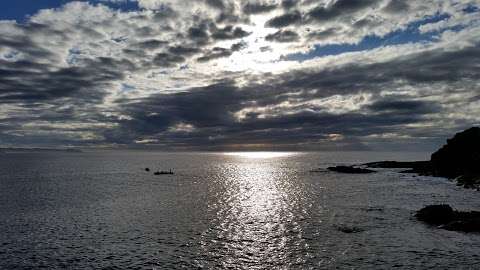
(436, 214)
(319, 170)
(147, 169)
(449, 219)
(349, 169)
(467, 225)
(163, 172)
(420, 167)
(397, 164)
(348, 229)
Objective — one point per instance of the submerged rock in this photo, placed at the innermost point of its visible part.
(349, 169)
(446, 218)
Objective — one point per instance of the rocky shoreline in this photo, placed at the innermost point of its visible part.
(458, 160)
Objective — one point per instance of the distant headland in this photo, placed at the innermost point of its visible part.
(38, 150)
(459, 159)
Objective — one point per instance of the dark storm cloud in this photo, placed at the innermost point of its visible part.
(211, 111)
(25, 45)
(396, 6)
(258, 8)
(289, 3)
(151, 44)
(322, 34)
(427, 67)
(183, 50)
(167, 60)
(228, 32)
(339, 8)
(219, 52)
(25, 81)
(283, 36)
(199, 34)
(284, 20)
(219, 4)
(399, 106)
(55, 86)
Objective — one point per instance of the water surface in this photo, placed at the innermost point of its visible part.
(239, 211)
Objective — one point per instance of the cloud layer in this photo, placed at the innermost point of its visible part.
(216, 75)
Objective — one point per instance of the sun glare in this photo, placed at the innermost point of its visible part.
(260, 155)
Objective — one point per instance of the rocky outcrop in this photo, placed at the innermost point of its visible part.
(446, 218)
(436, 214)
(459, 159)
(420, 167)
(349, 169)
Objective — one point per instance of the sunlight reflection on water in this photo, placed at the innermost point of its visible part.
(255, 214)
(260, 155)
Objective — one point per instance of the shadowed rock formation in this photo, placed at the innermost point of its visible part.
(459, 159)
(446, 218)
(349, 169)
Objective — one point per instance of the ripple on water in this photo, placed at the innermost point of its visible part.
(221, 211)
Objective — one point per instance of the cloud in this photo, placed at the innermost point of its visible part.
(339, 8)
(212, 74)
(218, 52)
(283, 36)
(350, 101)
(258, 8)
(286, 19)
(229, 32)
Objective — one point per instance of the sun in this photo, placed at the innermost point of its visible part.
(259, 55)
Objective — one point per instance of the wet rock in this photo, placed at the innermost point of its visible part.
(349, 169)
(420, 167)
(319, 170)
(467, 225)
(447, 218)
(349, 229)
(436, 214)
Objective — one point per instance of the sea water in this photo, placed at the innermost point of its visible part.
(102, 210)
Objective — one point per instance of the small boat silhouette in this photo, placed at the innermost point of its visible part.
(163, 172)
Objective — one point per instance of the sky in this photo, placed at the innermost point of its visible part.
(331, 75)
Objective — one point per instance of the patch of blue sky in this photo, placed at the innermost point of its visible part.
(126, 88)
(410, 34)
(20, 10)
(471, 9)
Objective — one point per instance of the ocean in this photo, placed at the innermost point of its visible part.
(102, 210)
